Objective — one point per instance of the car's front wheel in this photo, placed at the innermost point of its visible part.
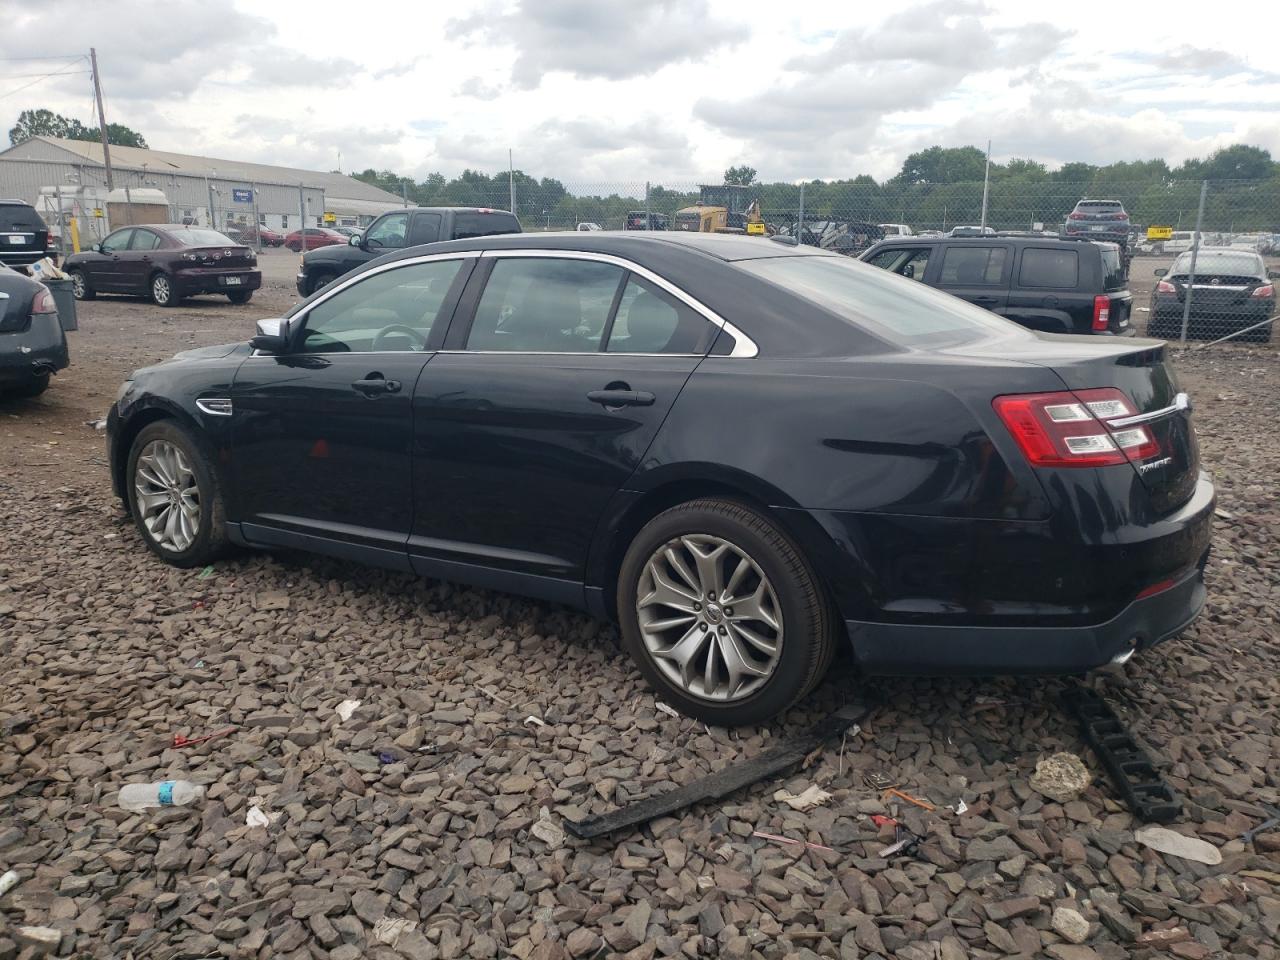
(162, 293)
(319, 282)
(174, 496)
(80, 286)
(722, 613)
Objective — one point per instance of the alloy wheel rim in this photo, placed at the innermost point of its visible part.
(160, 286)
(168, 495)
(709, 618)
(77, 284)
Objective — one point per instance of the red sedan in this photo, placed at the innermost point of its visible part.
(314, 237)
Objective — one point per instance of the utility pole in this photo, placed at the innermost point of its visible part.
(404, 190)
(1195, 254)
(986, 186)
(511, 179)
(102, 119)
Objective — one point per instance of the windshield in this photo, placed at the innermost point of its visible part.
(198, 237)
(1219, 262)
(894, 308)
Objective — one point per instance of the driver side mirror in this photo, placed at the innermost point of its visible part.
(1161, 272)
(355, 240)
(272, 336)
(96, 248)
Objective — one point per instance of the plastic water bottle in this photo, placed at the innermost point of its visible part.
(165, 793)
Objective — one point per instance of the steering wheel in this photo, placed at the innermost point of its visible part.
(400, 328)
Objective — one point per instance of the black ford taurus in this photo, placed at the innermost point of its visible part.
(744, 452)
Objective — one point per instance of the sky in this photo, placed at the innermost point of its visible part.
(672, 91)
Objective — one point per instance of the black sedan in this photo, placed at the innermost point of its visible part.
(165, 261)
(1232, 292)
(745, 452)
(32, 344)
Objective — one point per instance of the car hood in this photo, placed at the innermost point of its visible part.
(327, 254)
(218, 351)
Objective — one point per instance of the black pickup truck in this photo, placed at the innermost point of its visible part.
(400, 228)
(1059, 286)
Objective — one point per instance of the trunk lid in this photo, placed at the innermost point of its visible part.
(1140, 370)
(231, 256)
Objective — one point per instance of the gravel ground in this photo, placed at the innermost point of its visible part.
(440, 804)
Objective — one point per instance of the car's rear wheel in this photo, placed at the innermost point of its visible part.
(722, 614)
(80, 286)
(174, 496)
(28, 388)
(240, 296)
(162, 293)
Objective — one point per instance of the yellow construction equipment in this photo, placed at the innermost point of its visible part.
(702, 219)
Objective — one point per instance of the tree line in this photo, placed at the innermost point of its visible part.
(936, 188)
(46, 123)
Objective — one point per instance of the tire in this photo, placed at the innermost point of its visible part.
(80, 286)
(191, 545)
(779, 583)
(296, 248)
(30, 388)
(162, 293)
(319, 282)
(240, 296)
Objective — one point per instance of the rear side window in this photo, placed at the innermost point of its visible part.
(965, 265)
(469, 225)
(1113, 275)
(1049, 268)
(890, 307)
(649, 321)
(424, 228)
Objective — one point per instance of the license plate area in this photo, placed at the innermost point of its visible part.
(231, 281)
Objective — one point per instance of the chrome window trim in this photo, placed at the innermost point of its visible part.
(1180, 402)
(565, 353)
(338, 286)
(743, 346)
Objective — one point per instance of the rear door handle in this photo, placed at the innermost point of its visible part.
(985, 300)
(372, 386)
(621, 398)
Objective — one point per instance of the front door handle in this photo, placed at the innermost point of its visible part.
(985, 300)
(621, 398)
(376, 384)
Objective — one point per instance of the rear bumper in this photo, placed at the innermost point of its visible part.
(216, 281)
(900, 650)
(39, 350)
(1234, 313)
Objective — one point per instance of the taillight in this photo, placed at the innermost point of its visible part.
(1066, 429)
(1267, 290)
(1075, 216)
(1164, 286)
(43, 302)
(1122, 216)
(1101, 312)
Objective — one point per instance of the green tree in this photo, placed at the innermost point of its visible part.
(743, 176)
(943, 165)
(46, 123)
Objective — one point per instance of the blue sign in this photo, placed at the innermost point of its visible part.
(242, 196)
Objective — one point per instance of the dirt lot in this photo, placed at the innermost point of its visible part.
(439, 803)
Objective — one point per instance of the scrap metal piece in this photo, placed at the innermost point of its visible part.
(1133, 772)
(770, 764)
(1265, 826)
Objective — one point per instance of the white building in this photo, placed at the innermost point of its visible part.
(200, 190)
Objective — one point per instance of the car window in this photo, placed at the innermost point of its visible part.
(425, 228)
(389, 231)
(1049, 268)
(906, 261)
(390, 311)
(117, 241)
(909, 314)
(545, 305)
(469, 225)
(965, 265)
(650, 321)
(1113, 272)
(144, 240)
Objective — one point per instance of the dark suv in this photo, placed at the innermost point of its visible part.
(1059, 286)
(1099, 220)
(24, 237)
(398, 229)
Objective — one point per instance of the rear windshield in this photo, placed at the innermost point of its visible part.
(197, 237)
(1113, 275)
(1220, 262)
(19, 218)
(469, 225)
(1100, 206)
(894, 308)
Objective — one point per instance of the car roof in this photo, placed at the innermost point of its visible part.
(722, 246)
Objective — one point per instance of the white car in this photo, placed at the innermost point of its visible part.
(896, 230)
(587, 227)
(1180, 242)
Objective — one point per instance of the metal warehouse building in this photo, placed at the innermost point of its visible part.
(70, 176)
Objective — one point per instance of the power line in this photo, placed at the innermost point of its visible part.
(69, 56)
(40, 76)
(56, 73)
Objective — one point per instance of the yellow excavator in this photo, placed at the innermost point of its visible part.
(703, 218)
